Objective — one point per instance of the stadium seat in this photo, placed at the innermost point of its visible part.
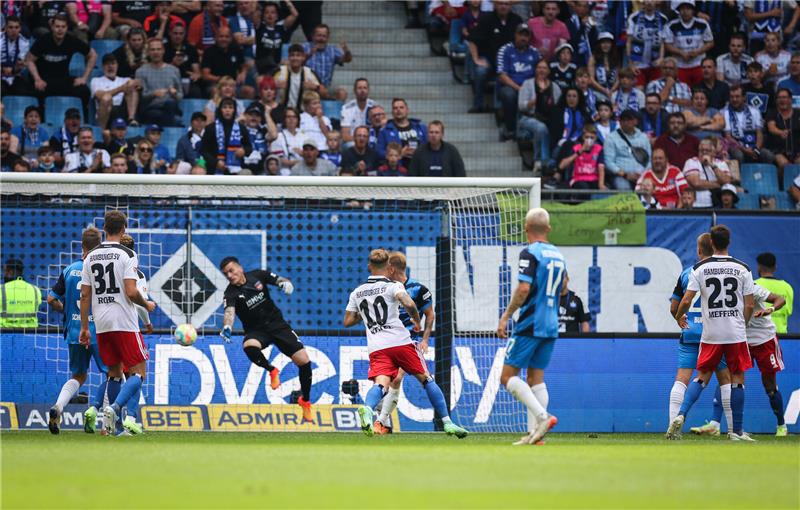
(748, 201)
(760, 179)
(189, 106)
(169, 138)
(102, 47)
(98, 133)
(332, 109)
(790, 173)
(285, 51)
(135, 131)
(77, 65)
(55, 106)
(784, 202)
(15, 106)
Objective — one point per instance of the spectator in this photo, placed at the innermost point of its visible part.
(333, 151)
(441, 14)
(732, 66)
(272, 165)
(312, 164)
(582, 82)
(161, 154)
(243, 27)
(65, 141)
(268, 101)
(774, 59)
(260, 136)
(91, 19)
(675, 94)
(792, 83)
(706, 174)
(41, 14)
(271, 34)
(654, 118)
(461, 29)
(161, 88)
(764, 18)
(645, 42)
(130, 14)
(703, 121)
(46, 161)
(8, 158)
(377, 121)
(14, 49)
(437, 158)
(143, 160)
(360, 157)
(293, 79)
(22, 165)
(743, 130)
(184, 57)
(572, 316)
(688, 197)
(604, 65)
(89, 158)
(409, 133)
(728, 196)
(21, 299)
(605, 122)
(515, 64)
(313, 123)
(30, 133)
(756, 94)
(548, 32)
(309, 16)
(688, 38)
(562, 70)
(627, 152)
(668, 180)
(115, 96)
(161, 22)
(48, 63)
(225, 88)
(204, 27)
(289, 145)
(355, 112)
(677, 145)
(393, 166)
(585, 165)
(226, 141)
(569, 124)
(189, 145)
(494, 29)
(537, 99)
(794, 192)
(186, 9)
(783, 129)
(119, 164)
(131, 55)
(322, 57)
(226, 58)
(583, 33)
(118, 138)
(716, 90)
(646, 192)
(627, 97)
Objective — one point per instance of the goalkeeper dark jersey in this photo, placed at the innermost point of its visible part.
(252, 301)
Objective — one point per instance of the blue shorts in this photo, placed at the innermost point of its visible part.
(529, 352)
(80, 356)
(687, 356)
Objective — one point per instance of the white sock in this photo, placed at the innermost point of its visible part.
(725, 391)
(522, 392)
(676, 399)
(540, 392)
(70, 388)
(389, 405)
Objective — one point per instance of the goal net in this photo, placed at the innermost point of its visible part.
(461, 237)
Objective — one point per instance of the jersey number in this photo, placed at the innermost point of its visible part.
(730, 285)
(380, 309)
(553, 277)
(100, 274)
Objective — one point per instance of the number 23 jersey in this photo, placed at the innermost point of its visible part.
(722, 282)
(105, 269)
(376, 301)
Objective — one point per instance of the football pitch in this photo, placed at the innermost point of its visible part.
(248, 470)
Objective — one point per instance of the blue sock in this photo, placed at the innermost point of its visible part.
(131, 387)
(374, 395)
(111, 387)
(133, 403)
(692, 394)
(716, 413)
(100, 393)
(737, 407)
(776, 402)
(436, 397)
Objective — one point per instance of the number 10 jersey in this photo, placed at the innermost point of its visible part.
(105, 269)
(722, 282)
(376, 301)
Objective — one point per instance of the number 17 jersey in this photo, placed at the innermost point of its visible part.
(542, 266)
(105, 269)
(722, 282)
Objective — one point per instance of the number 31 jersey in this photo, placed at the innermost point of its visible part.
(722, 282)
(376, 301)
(542, 266)
(105, 269)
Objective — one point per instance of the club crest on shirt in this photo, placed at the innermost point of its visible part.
(259, 286)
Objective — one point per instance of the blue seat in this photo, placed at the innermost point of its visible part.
(135, 131)
(784, 202)
(748, 201)
(760, 179)
(55, 106)
(189, 106)
(103, 47)
(790, 173)
(98, 133)
(77, 65)
(332, 109)
(169, 138)
(285, 51)
(15, 106)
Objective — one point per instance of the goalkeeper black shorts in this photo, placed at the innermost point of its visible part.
(278, 333)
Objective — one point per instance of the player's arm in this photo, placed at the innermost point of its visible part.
(777, 303)
(55, 298)
(683, 307)
(410, 306)
(430, 318)
(350, 318)
(749, 306)
(228, 316)
(283, 283)
(86, 296)
(517, 299)
(132, 291)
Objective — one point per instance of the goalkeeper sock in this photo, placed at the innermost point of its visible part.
(541, 394)
(69, 389)
(737, 406)
(305, 381)
(776, 403)
(716, 407)
(389, 404)
(725, 394)
(692, 394)
(520, 390)
(676, 399)
(436, 397)
(257, 358)
(129, 389)
(374, 395)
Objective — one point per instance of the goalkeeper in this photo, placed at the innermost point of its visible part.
(247, 297)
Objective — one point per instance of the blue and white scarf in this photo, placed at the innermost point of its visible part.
(627, 102)
(746, 135)
(649, 126)
(227, 152)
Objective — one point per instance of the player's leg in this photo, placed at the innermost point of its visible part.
(687, 361)
(707, 360)
(540, 359)
(79, 366)
(770, 383)
(134, 356)
(535, 378)
(437, 400)
(287, 341)
(254, 343)
(105, 393)
(738, 358)
(389, 404)
(366, 413)
(770, 362)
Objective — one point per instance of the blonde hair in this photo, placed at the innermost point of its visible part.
(378, 258)
(537, 219)
(397, 260)
(309, 96)
(225, 80)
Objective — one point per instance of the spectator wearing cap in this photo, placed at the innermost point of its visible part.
(89, 158)
(204, 27)
(313, 122)
(64, 140)
(115, 96)
(716, 90)
(45, 159)
(131, 55)
(184, 57)
(271, 34)
(21, 300)
(322, 57)
(260, 136)
(226, 58)
(562, 70)
(30, 133)
(161, 154)
(494, 29)
(767, 265)
(604, 65)
(294, 78)
(161, 21)
(688, 38)
(8, 158)
(118, 138)
(188, 148)
(627, 152)
(728, 197)
(675, 94)
(312, 164)
(161, 88)
(226, 142)
(583, 32)
(48, 64)
(437, 158)
(408, 132)
(548, 33)
(129, 15)
(645, 42)
(676, 143)
(537, 100)
(515, 63)
(356, 111)
(14, 49)
(360, 158)
(744, 130)
(268, 101)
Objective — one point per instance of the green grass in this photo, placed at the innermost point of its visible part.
(244, 470)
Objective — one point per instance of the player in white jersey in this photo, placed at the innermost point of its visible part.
(726, 289)
(377, 302)
(108, 289)
(141, 284)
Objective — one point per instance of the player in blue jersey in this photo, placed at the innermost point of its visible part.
(689, 347)
(423, 299)
(541, 273)
(64, 297)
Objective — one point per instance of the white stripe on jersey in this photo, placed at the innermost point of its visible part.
(105, 270)
(722, 282)
(760, 330)
(376, 301)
